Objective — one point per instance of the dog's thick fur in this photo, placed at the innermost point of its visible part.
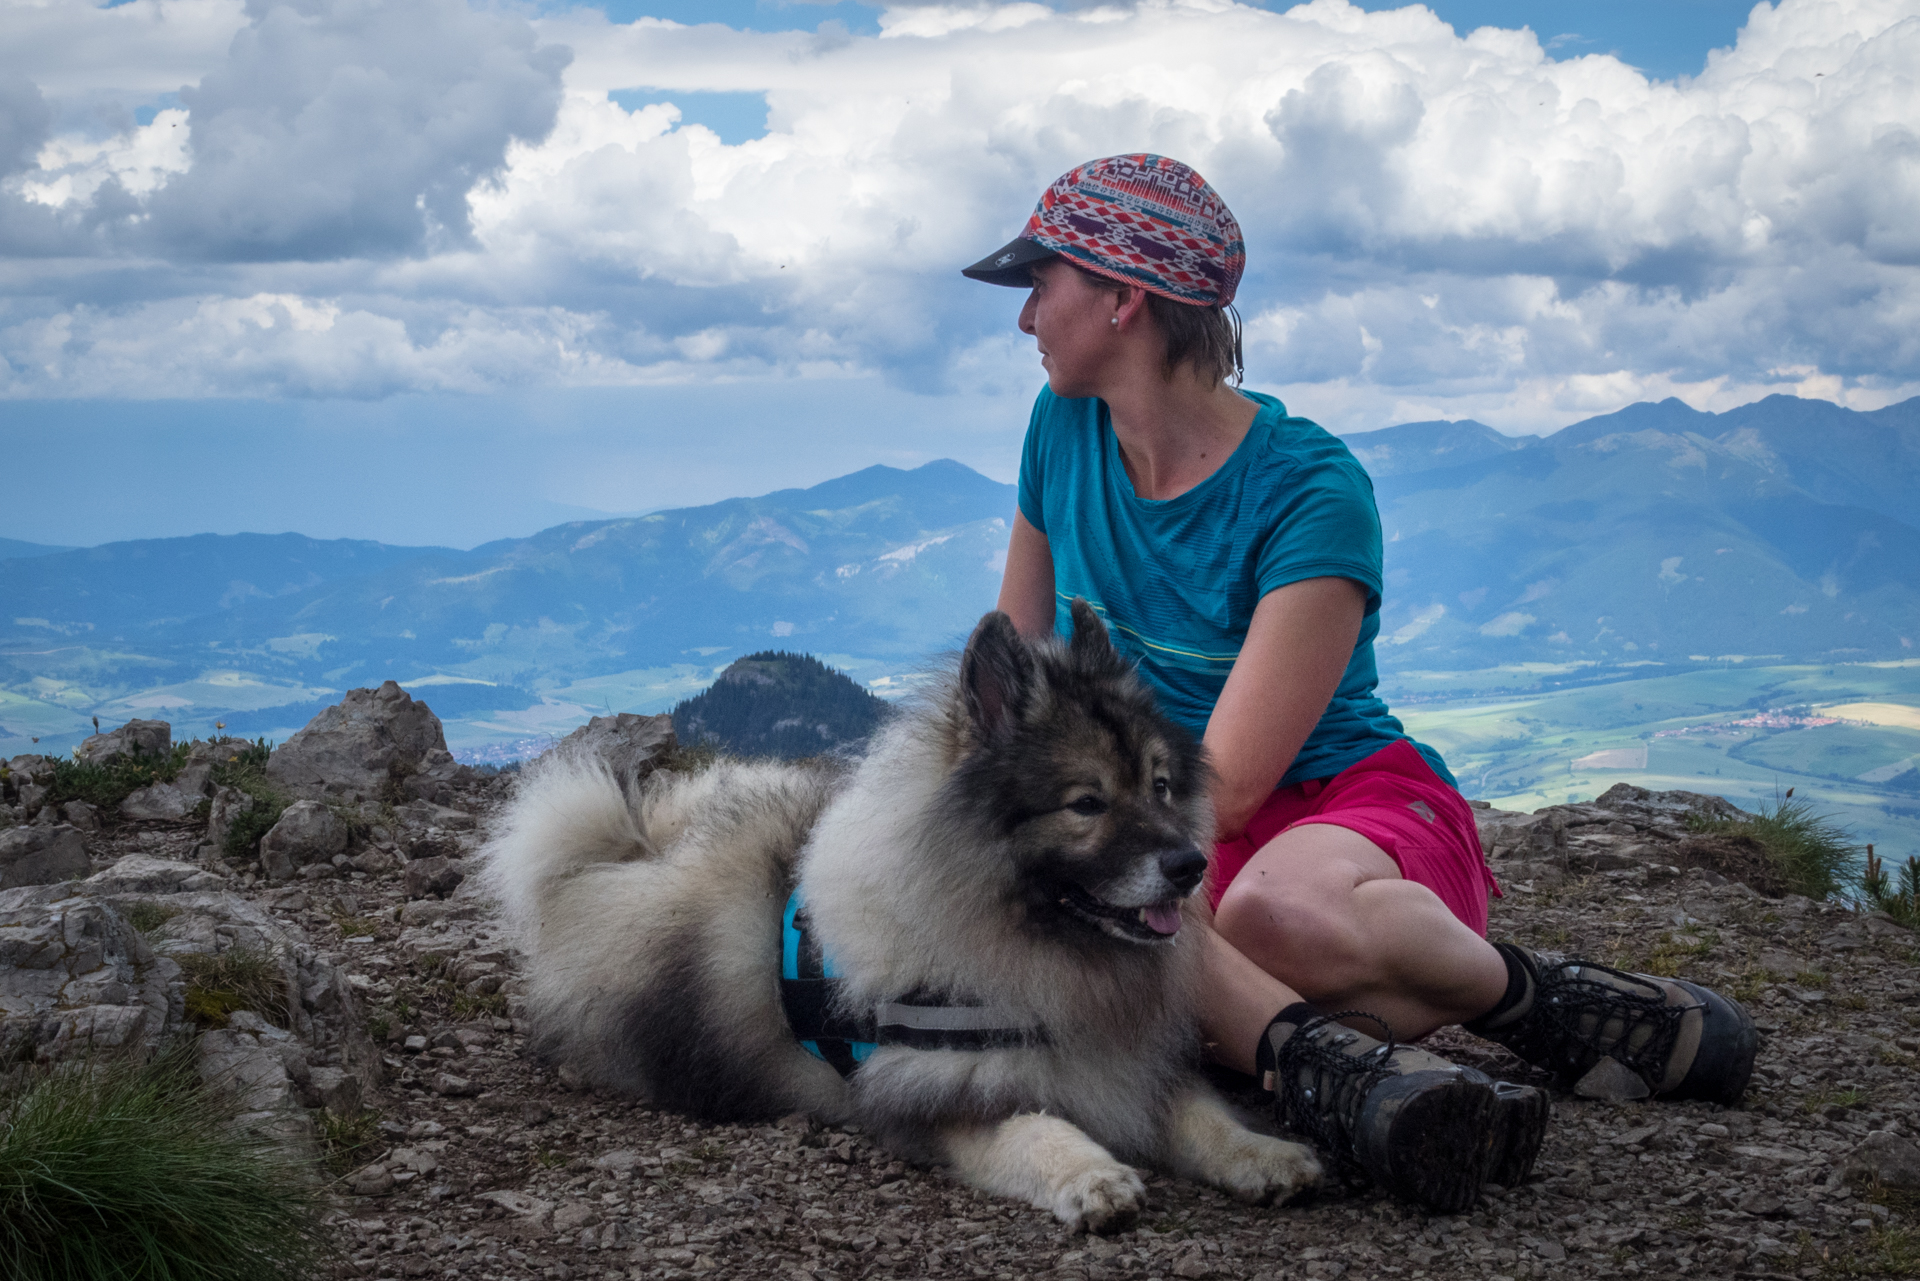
(998, 844)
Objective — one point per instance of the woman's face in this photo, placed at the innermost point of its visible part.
(1071, 318)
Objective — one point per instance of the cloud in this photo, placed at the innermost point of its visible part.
(1437, 223)
(25, 120)
(340, 128)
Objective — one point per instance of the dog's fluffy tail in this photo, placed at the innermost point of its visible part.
(566, 814)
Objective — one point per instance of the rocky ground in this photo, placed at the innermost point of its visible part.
(475, 1160)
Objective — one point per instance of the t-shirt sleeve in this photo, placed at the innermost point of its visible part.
(1327, 527)
(1033, 466)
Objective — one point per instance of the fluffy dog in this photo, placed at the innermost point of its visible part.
(1018, 850)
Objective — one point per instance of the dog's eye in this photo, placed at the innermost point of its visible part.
(1089, 806)
(1162, 788)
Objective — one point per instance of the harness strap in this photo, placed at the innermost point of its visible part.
(810, 994)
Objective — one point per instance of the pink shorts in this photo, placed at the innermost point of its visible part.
(1394, 799)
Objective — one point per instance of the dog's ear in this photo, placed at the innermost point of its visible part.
(1090, 639)
(996, 672)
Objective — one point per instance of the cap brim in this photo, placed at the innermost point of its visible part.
(1008, 265)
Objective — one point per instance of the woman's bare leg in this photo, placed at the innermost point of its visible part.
(1322, 914)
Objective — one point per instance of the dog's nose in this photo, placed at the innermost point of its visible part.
(1183, 868)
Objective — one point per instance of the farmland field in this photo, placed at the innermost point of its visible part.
(1735, 730)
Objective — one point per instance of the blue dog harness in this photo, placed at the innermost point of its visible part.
(810, 991)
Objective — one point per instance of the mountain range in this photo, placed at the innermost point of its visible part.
(1786, 528)
(1659, 534)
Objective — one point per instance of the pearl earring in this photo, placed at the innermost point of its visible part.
(1116, 321)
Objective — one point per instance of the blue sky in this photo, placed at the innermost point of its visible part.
(428, 271)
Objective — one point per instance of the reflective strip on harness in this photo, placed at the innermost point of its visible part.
(809, 991)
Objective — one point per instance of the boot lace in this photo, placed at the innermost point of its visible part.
(1320, 1087)
(1552, 1034)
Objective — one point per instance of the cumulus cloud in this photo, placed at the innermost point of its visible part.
(1438, 222)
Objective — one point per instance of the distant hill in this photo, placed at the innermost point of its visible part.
(13, 549)
(778, 704)
(1658, 535)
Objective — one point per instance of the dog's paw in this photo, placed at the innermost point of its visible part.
(1258, 1169)
(1103, 1198)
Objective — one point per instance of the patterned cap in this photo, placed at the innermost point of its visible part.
(1142, 219)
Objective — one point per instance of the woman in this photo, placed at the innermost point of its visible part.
(1235, 553)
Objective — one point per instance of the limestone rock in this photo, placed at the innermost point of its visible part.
(325, 1019)
(28, 769)
(196, 776)
(1662, 810)
(147, 738)
(143, 874)
(1886, 1158)
(359, 747)
(454, 1087)
(437, 776)
(33, 800)
(1611, 1081)
(228, 804)
(308, 833)
(631, 745)
(41, 855)
(239, 1061)
(426, 815)
(161, 801)
(434, 877)
(76, 978)
(335, 1090)
(370, 1180)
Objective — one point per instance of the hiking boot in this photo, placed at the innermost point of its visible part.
(1682, 1040)
(1520, 1124)
(1426, 1130)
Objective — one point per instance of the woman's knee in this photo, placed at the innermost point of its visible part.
(1309, 939)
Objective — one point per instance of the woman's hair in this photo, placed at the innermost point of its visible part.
(1208, 338)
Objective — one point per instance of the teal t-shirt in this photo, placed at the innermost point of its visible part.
(1177, 580)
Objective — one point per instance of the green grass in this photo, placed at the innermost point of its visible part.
(105, 785)
(236, 979)
(1886, 1252)
(1813, 854)
(148, 917)
(1898, 895)
(246, 771)
(121, 1171)
(1513, 740)
(348, 1142)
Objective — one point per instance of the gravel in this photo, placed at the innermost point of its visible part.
(486, 1163)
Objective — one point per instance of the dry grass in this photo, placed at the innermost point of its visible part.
(237, 979)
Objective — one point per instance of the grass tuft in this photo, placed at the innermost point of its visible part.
(148, 917)
(1800, 851)
(472, 1005)
(245, 770)
(1886, 1252)
(236, 979)
(104, 786)
(118, 1170)
(348, 1142)
(1897, 895)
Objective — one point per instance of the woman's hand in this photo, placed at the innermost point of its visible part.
(1026, 587)
(1297, 649)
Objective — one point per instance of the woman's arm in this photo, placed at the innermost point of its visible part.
(1026, 588)
(1297, 648)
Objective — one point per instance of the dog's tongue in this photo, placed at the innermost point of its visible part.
(1164, 918)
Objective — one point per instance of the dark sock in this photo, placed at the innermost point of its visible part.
(1519, 989)
(1297, 1013)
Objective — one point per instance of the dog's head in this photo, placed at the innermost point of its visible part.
(1102, 798)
